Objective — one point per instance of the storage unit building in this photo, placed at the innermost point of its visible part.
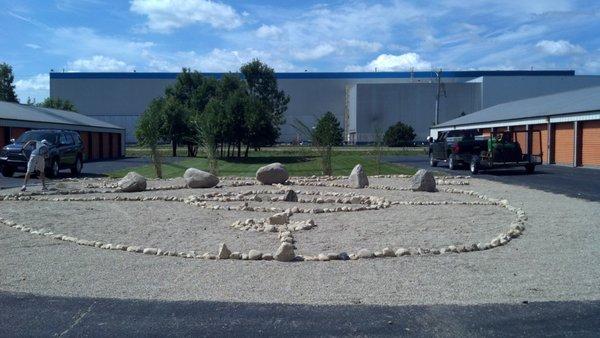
(563, 128)
(15, 119)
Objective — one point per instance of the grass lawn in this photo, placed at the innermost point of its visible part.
(298, 162)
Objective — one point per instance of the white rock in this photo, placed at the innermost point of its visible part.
(364, 253)
(195, 178)
(423, 180)
(254, 255)
(279, 218)
(273, 173)
(322, 257)
(358, 177)
(150, 251)
(285, 252)
(387, 252)
(132, 182)
(402, 252)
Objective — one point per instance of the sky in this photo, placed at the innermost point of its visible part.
(325, 36)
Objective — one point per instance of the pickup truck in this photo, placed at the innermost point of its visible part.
(456, 147)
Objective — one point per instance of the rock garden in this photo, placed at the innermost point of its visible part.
(273, 217)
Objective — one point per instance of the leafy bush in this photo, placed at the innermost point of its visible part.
(399, 135)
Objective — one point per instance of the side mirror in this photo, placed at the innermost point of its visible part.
(12, 140)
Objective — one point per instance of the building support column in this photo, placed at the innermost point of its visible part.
(576, 140)
(550, 144)
(528, 143)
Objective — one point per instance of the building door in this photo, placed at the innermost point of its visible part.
(539, 141)
(521, 137)
(590, 143)
(563, 143)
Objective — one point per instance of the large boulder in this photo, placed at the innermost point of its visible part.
(358, 178)
(285, 252)
(423, 180)
(273, 173)
(132, 182)
(196, 178)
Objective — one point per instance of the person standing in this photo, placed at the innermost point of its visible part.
(37, 161)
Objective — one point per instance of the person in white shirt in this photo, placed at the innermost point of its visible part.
(37, 161)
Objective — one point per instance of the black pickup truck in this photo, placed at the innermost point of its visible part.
(455, 147)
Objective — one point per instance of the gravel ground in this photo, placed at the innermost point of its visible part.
(557, 258)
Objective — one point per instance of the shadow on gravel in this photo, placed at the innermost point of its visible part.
(29, 315)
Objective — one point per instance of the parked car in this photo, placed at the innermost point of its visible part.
(455, 147)
(65, 152)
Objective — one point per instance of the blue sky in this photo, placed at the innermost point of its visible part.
(165, 35)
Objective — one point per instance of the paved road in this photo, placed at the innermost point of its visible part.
(575, 182)
(90, 169)
(28, 315)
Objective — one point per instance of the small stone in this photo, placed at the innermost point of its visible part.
(358, 178)
(285, 252)
(387, 252)
(353, 257)
(333, 256)
(343, 256)
(254, 255)
(495, 242)
(323, 257)
(224, 252)
(402, 252)
(244, 257)
(364, 253)
(279, 218)
(235, 255)
(290, 196)
(132, 182)
(267, 257)
(150, 251)
(134, 248)
(378, 254)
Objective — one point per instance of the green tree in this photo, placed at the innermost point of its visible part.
(57, 103)
(147, 132)
(325, 135)
(262, 84)
(7, 88)
(206, 125)
(399, 135)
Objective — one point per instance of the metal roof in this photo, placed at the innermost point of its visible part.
(323, 75)
(569, 102)
(20, 112)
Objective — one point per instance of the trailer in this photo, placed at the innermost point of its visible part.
(503, 151)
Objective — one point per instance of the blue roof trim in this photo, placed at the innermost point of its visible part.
(339, 75)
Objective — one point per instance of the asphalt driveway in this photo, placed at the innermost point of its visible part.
(574, 182)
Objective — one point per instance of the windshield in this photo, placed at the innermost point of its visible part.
(37, 136)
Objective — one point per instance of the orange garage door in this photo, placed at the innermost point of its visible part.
(590, 143)
(539, 141)
(521, 137)
(563, 143)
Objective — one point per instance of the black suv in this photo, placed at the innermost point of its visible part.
(65, 152)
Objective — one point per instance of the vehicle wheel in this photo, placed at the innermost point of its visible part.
(76, 169)
(529, 168)
(7, 171)
(474, 167)
(54, 168)
(432, 162)
(451, 162)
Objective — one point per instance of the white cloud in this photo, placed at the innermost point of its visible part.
(366, 46)
(217, 60)
(166, 15)
(35, 87)
(390, 62)
(268, 32)
(99, 63)
(559, 47)
(314, 53)
(33, 46)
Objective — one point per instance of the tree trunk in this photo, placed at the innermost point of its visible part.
(247, 148)
(174, 144)
(239, 146)
(228, 149)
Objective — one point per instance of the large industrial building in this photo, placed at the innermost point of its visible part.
(365, 102)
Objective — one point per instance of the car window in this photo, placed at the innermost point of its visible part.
(65, 140)
(37, 135)
(76, 138)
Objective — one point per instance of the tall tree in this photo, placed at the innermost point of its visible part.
(325, 135)
(151, 121)
(57, 103)
(262, 83)
(7, 88)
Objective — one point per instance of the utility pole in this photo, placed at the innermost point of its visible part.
(438, 74)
